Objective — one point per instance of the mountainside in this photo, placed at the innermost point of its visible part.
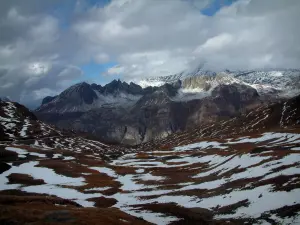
(20, 126)
(269, 117)
(241, 170)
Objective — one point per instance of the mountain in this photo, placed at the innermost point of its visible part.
(239, 170)
(129, 114)
(83, 97)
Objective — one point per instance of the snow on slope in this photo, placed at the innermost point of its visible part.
(253, 178)
(17, 123)
(249, 178)
(219, 178)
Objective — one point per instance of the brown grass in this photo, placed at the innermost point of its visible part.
(103, 202)
(16, 178)
(17, 207)
(40, 214)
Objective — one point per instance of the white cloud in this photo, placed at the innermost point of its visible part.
(115, 70)
(31, 52)
(69, 71)
(46, 31)
(143, 37)
(215, 44)
(38, 68)
(101, 58)
(150, 38)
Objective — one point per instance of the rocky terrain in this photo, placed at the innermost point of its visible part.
(241, 170)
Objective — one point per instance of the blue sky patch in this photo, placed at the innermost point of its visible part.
(215, 6)
(93, 73)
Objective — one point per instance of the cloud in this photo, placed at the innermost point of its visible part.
(43, 44)
(25, 81)
(150, 38)
(31, 52)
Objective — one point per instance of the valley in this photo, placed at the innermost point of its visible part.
(244, 170)
(149, 112)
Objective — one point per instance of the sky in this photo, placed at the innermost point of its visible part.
(46, 46)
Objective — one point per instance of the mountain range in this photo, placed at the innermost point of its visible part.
(129, 113)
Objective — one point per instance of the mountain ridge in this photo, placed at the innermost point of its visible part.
(158, 113)
(284, 81)
(131, 114)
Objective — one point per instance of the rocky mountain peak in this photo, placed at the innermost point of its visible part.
(117, 86)
(96, 86)
(82, 92)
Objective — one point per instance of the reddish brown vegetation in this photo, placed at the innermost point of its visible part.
(16, 178)
(28, 209)
(102, 202)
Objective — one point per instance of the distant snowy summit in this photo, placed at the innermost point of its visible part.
(284, 82)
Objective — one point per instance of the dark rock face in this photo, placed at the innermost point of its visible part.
(116, 86)
(235, 97)
(235, 92)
